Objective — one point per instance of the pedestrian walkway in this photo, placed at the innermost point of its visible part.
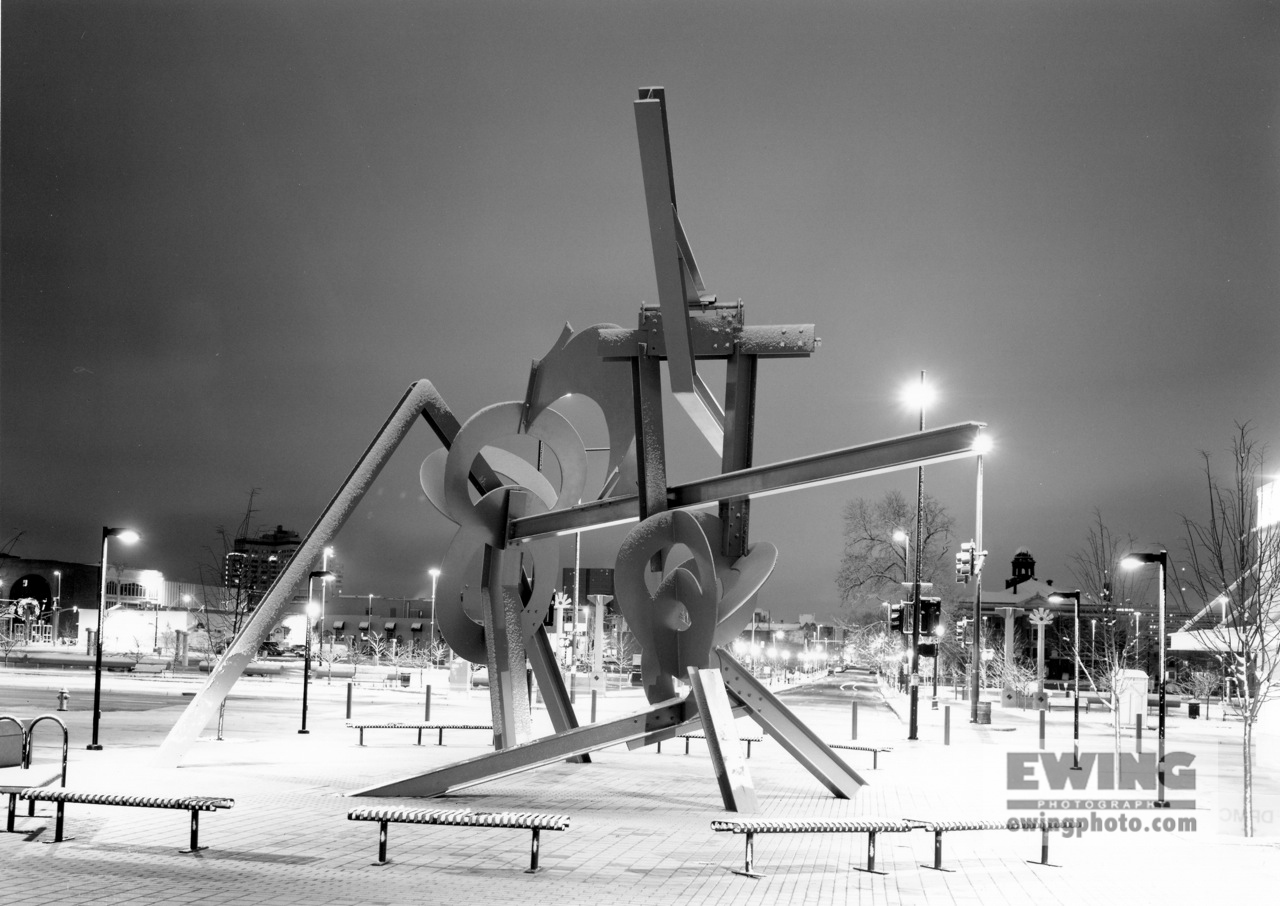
(640, 828)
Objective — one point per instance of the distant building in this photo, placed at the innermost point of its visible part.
(253, 563)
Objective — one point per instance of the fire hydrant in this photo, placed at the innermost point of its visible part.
(63, 698)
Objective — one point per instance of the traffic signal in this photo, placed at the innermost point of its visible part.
(964, 562)
(897, 617)
(930, 613)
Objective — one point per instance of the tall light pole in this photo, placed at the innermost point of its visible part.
(981, 446)
(921, 396)
(1075, 611)
(126, 536)
(57, 598)
(1133, 561)
(324, 586)
(434, 573)
(312, 611)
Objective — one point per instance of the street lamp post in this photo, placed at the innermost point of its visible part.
(1133, 561)
(57, 598)
(921, 396)
(324, 567)
(312, 611)
(434, 573)
(1075, 731)
(126, 536)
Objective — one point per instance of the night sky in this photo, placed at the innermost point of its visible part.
(235, 231)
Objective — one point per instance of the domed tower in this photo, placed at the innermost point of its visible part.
(1024, 569)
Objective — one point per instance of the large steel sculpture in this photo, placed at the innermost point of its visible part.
(499, 574)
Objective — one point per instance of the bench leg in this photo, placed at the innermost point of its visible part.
(875, 761)
(1044, 846)
(533, 854)
(195, 833)
(13, 811)
(362, 736)
(419, 736)
(686, 746)
(937, 853)
(57, 822)
(748, 748)
(382, 843)
(440, 738)
(871, 856)
(749, 859)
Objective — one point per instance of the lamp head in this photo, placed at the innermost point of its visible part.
(434, 572)
(127, 535)
(1133, 561)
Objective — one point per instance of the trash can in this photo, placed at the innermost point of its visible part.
(404, 679)
(984, 712)
(1193, 710)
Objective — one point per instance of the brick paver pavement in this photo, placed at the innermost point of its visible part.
(640, 831)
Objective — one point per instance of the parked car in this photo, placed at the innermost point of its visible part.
(480, 677)
(270, 648)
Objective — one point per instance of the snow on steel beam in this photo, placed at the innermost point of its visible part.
(909, 451)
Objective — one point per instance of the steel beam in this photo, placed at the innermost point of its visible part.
(723, 744)
(548, 750)
(665, 236)
(907, 452)
(791, 733)
(421, 399)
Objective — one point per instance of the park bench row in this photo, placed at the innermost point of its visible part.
(536, 823)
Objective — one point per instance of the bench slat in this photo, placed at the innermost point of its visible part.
(811, 827)
(57, 794)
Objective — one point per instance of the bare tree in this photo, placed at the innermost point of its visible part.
(1203, 683)
(1234, 558)
(223, 608)
(874, 565)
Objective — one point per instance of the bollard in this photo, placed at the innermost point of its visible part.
(946, 725)
(426, 714)
(349, 701)
(1042, 713)
(1138, 727)
(63, 698)
(593, 705)
(854, 734)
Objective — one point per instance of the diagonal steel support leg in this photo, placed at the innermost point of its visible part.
(777, 720)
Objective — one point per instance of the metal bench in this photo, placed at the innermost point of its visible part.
(938, 828)
(415, 725)
(194, 804)
(460, 818)
(874, 750)
(869, 827)
(748, 738)
(17, 772)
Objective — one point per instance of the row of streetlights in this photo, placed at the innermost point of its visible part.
(314, 610)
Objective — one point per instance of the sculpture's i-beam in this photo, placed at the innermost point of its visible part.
(500, 570)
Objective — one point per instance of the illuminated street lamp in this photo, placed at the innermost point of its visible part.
(57, 597)
(126, 536)
(434, 573)
(1058, 597)
(1133, 561)
(324, 566)
(312, 611)
(920, 395)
